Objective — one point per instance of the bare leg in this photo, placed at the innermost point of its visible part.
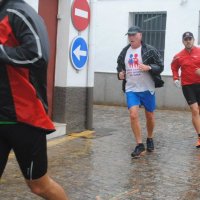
(150, 123)
(135, 124)
(195, 117)
(47, 188)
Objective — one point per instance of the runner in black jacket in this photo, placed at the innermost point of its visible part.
(24, 123)
(139, 66)
(151, 57)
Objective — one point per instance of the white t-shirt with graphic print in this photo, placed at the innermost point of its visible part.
(137, 80)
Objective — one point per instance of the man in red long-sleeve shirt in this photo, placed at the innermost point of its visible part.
(188, 61)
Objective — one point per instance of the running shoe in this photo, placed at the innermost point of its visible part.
(150, 145)
(198, 143)
(139, 150)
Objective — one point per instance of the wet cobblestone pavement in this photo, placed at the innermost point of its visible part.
(100, 164)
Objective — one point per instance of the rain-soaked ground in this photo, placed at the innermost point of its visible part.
(99, 164)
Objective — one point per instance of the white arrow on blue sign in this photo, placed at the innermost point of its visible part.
(79, 52)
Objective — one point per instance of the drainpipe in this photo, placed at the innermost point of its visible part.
(90, 67)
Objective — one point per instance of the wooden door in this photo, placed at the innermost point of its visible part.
(48, 9)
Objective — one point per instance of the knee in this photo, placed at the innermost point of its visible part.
(150, 117)
(134, 116)
(35, 189)
(39, 188)
(195, 112)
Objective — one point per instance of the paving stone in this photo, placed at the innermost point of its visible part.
(102, 166)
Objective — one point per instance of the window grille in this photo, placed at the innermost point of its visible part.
(153, 25)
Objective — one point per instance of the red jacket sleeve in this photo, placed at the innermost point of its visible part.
(175, 68)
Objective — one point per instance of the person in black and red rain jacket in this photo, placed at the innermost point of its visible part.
(24, 123)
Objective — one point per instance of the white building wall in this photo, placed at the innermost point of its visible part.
(66, 75)
(112, 22)
(73, 90)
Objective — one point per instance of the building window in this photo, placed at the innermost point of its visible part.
(153, 25)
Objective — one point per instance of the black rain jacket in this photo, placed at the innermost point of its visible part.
(151, 57)
(24, 55)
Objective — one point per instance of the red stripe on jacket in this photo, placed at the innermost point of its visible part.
(28, 107)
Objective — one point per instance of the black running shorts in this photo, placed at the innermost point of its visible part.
(30, 148)
(192, 93)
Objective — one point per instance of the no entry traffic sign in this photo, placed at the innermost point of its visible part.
(80, 14)
(79, 53)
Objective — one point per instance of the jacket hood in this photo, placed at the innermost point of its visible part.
(3, 2)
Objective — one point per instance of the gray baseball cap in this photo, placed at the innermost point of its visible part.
(133, 30)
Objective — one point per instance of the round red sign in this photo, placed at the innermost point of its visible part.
(80, 14)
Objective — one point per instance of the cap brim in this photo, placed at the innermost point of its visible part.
(188, 37)
(131, 33)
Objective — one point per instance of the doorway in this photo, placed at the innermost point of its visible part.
(49, 14)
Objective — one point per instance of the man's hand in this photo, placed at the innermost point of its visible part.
(177, 83)
(143, 67)
(197, 72)
(122, 75)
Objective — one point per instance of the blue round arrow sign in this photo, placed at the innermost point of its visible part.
(79, 53)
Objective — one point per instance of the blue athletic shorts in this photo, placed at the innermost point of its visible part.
(145, 99)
